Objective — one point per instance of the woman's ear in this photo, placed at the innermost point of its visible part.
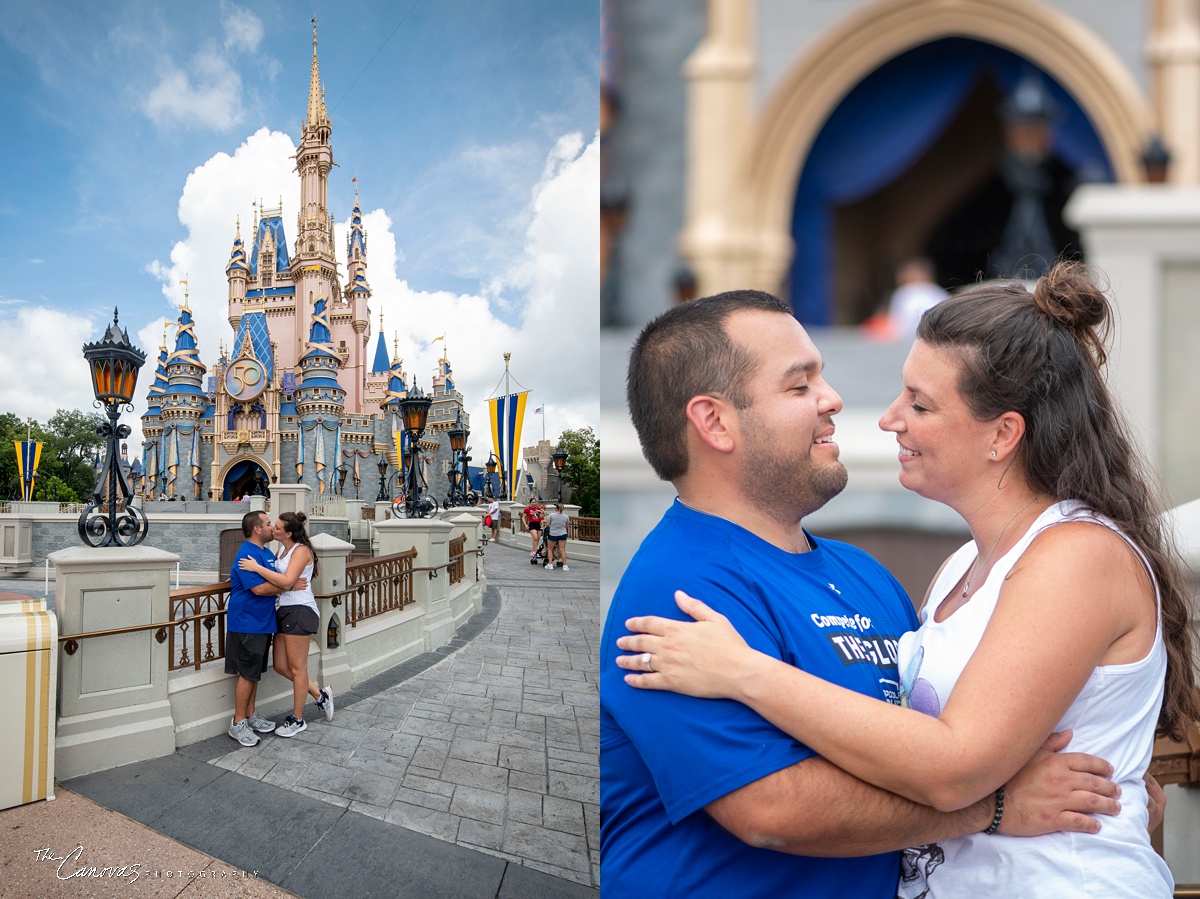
(1010, 431)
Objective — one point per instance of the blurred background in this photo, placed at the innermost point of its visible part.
(860, 158)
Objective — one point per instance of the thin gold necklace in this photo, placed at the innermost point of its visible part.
(988, 557)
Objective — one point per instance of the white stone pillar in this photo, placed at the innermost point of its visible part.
(354, 509)
(1145, 242)
(112, 705)
(330, 580)
(471, 526)
(431, 538)
(289, 498)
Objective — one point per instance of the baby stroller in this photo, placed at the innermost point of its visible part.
(542, 548)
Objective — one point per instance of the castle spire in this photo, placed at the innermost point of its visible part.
(317, 115)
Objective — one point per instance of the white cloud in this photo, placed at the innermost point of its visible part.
(43, 369)
(36, 261)
(210, 96)
(243, 29)
(552, 283)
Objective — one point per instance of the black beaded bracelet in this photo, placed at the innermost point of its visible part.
(995, 825)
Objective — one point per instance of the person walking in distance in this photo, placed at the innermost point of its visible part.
(556, 536)
(532, 517)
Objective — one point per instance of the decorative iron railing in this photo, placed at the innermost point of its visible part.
(197, 632)
(587, 529)
(368, 513)
(378, 585)
(457, 546)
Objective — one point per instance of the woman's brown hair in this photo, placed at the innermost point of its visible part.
(1041, 355)
(293, 523)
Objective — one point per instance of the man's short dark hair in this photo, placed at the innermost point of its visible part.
(683, 353)
(249, 523)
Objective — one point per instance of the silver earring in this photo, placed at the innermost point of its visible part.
(993, 454)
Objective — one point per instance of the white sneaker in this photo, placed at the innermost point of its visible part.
(242, 733)
(565, 567)
(260, 724)
(548, 565)
(325, 702)
(291, 727)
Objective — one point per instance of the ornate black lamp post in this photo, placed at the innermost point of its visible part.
(560, 459)
(109, 520)
(414, 412)
(490, 467)
(341, 473)
(1026, 243)
(383, 467)
(461, 493)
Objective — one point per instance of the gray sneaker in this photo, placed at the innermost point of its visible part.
(242, 733)
(291, 727)
(325, 702)
(260, 724)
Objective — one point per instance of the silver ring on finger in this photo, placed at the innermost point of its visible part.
(646, 661)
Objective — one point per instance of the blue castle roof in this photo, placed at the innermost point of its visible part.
(319, 338)
(382, 363)
(274, 224)
(254, 324)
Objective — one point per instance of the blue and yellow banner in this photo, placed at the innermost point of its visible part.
(29, 453)
(506, 414)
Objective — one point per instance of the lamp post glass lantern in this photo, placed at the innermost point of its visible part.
(560, 459)
(414, 413)
(109, 519)
(461, 493)
(490, 468)
(383, 467)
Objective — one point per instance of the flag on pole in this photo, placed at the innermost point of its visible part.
(29, 453)
(506, 414)
(436, 339)
(537, 411)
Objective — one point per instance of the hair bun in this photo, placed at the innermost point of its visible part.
(1068, 295)
(301, 517)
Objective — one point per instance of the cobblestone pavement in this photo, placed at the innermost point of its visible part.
(495, 747)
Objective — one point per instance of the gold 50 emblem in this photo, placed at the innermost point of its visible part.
(245, 379)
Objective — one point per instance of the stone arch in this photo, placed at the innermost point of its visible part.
(821, 77)
(219, 486)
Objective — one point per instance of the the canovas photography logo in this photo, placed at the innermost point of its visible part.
(72, 865)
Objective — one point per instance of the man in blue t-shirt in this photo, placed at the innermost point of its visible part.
(704, 797)
(249, 627)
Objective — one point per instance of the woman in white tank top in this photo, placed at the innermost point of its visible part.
(297, 618)
(1066, 612)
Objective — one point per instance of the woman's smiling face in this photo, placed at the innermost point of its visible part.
(943, 448)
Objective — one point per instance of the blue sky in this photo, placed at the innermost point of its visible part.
(137, 132)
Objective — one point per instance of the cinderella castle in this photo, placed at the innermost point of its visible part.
(299, 398)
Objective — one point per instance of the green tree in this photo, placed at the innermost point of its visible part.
(55, 489)
(72, 444)
(69, 447)
(581, 471)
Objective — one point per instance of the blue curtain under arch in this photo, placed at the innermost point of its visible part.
(885, 124)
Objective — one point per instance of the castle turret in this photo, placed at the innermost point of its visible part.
(183, 403)
(152, 422)
(320, 401)
(382, 365)
(236, 273)
(358, 290)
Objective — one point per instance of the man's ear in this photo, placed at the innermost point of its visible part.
(713, 421)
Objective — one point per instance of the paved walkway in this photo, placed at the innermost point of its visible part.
(467, 772)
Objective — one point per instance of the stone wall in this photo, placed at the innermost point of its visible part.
(194, 538)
